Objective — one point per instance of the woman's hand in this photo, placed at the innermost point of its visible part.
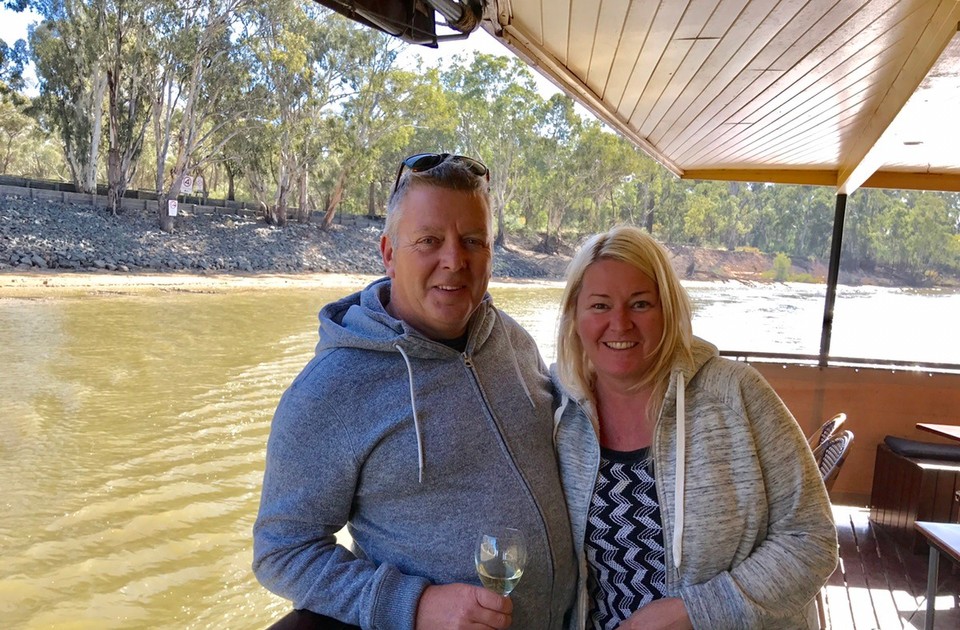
(463, 607)
(660, 614)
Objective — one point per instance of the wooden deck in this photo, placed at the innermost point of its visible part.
(881, 584)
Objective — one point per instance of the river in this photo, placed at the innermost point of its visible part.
(132, 431)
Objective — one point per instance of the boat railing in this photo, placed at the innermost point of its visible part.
(816, 360)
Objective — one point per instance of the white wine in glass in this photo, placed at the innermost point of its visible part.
(501, 556)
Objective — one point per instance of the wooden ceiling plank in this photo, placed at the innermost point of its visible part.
(661, 31)
(610, 29)
(867, 153)
(677, 85)
(741, 79)
(844, 81)
(807, 68)
(722, 26)
(582, 35)
(553, 22)
(536, 56)
(811, 134)
(635, 31)
(668, 68)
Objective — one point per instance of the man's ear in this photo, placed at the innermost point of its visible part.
(386, 253)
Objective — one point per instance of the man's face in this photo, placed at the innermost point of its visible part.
(441, 261)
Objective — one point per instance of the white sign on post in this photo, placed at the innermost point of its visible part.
(172, 207)
(187, 186)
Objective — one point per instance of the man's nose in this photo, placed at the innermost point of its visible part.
(453, 254)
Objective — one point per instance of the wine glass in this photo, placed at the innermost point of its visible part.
(501, 555)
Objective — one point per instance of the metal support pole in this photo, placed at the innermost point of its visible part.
(833, 274)
(932, 569)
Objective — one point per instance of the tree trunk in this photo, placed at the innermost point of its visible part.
(303, 215)
(501, 239)
(231, 190)
(115, 186)
(334, 202)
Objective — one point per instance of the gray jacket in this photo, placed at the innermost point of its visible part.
(417, 448)
(748, 532)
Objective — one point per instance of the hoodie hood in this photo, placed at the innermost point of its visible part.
(361, 321)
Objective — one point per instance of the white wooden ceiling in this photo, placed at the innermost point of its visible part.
(831, 92)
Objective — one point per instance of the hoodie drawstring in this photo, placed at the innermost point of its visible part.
(523, 383)
(678, 488)
(416, 419)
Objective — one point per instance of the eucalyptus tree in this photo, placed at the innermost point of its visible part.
(68, 52)
(497, 101)
(283, 44)
(608, 163)
(716, 215)
(205, 90)
(15, 130)
(371, 117)
(132, 64)
(12, 60)
(561, 187)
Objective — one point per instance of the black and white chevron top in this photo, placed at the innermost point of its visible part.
(624, 538)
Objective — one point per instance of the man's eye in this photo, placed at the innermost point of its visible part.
(428, 240)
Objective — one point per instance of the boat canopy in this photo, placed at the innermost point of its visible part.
(833, 93)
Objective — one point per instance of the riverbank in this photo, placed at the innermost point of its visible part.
(46, 246)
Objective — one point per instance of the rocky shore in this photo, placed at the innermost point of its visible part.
(51, 237)
(43, 236)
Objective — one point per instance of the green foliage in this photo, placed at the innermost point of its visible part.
(781, 267)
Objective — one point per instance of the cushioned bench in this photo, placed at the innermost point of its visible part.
(914, 481)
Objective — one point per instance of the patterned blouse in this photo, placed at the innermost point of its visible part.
(624, 538)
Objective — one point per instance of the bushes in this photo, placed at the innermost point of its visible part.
(781, 267)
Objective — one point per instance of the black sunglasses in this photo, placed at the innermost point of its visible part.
(425, 161)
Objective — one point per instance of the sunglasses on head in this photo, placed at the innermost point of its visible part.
(425, 161)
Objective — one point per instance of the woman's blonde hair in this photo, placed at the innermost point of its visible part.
(634, 247)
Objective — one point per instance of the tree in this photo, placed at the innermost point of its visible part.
(132, 64)
(68, 53)
(204, 87)
(373, 115)
(497, 103)
(15, 128)
(12, 60)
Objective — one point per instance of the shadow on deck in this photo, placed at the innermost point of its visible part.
(882, 584)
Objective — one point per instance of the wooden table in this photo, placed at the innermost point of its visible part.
(943, 538)
(943, 430)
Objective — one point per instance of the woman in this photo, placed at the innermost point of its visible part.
(694, 499)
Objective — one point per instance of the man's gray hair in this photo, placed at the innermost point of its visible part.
(449, 174)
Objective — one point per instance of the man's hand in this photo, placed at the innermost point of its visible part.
(660, 614)
(462, 607)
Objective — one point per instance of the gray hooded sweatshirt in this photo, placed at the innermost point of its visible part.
(748, 532)
(417, 448)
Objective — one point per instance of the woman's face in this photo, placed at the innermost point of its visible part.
(619, 320)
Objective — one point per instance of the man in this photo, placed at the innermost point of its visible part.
(424, 418)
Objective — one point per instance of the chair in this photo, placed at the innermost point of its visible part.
(832, 454)
(826, 431)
